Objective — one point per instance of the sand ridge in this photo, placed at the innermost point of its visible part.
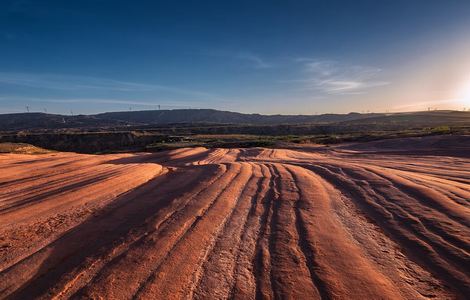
(304, 223)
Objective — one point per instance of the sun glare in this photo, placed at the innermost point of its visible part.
(464, 94)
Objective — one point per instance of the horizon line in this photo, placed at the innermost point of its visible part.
(252, 113)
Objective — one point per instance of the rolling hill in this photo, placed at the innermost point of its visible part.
(34, 121)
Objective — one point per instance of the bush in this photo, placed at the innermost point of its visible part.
(440, 130)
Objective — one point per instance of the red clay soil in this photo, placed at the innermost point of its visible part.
(235, 223)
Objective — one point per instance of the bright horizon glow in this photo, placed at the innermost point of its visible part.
(464, 94)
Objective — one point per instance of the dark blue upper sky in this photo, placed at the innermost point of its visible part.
(250, 56)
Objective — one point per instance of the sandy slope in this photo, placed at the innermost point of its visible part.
(235, 223)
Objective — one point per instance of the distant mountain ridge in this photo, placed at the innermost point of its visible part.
(222, 117)
(32, 121)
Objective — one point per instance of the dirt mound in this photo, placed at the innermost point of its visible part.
(237, 223)
(21, 148)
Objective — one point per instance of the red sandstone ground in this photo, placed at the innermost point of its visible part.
(310, 222)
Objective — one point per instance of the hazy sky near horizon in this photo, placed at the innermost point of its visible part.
(289, 57)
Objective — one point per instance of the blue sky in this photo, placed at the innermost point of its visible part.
(249, 56)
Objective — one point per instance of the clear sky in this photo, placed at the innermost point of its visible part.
(269, 57)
